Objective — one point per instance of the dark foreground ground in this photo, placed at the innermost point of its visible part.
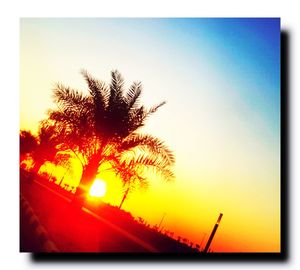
(50, 223)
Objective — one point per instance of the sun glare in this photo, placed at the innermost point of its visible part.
(98, 189)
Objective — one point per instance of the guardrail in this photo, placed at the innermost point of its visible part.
(37, 230)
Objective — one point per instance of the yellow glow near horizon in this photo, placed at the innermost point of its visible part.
(221, 118)
(98, 189)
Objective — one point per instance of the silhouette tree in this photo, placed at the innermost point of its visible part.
(135, 168)
(131, 178)
(68, 169)
(100, 125)
(28, 143)
(40, 148)
(63, 160)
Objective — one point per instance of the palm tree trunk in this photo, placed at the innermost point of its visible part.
(50, 175)
(124, 197)
(61, 180)
(88, 176)
(36, 167)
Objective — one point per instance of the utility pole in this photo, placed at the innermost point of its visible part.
(212, 233)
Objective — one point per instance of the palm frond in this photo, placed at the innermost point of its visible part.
(67, 97)
(62, 157)
(148, 143)
(98, 90)
(145, 161)
(136, 168)
(130, 175)
(138, 116)
(116, 87)
(155, 108)
(133, 95)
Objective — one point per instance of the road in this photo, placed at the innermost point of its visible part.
(72, 229)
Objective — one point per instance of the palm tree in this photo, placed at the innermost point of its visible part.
(28, 143)
(102, 124)
(41, 148)
(131, 177)
(67, 164)
(61, 159)
(135, 166)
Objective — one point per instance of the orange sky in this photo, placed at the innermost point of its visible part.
(221, 118)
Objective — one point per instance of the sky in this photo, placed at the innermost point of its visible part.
(221, 81)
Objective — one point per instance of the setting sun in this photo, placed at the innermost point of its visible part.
(178, 123)
(98, 189)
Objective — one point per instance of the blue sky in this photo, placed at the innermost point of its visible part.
(221, 81)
